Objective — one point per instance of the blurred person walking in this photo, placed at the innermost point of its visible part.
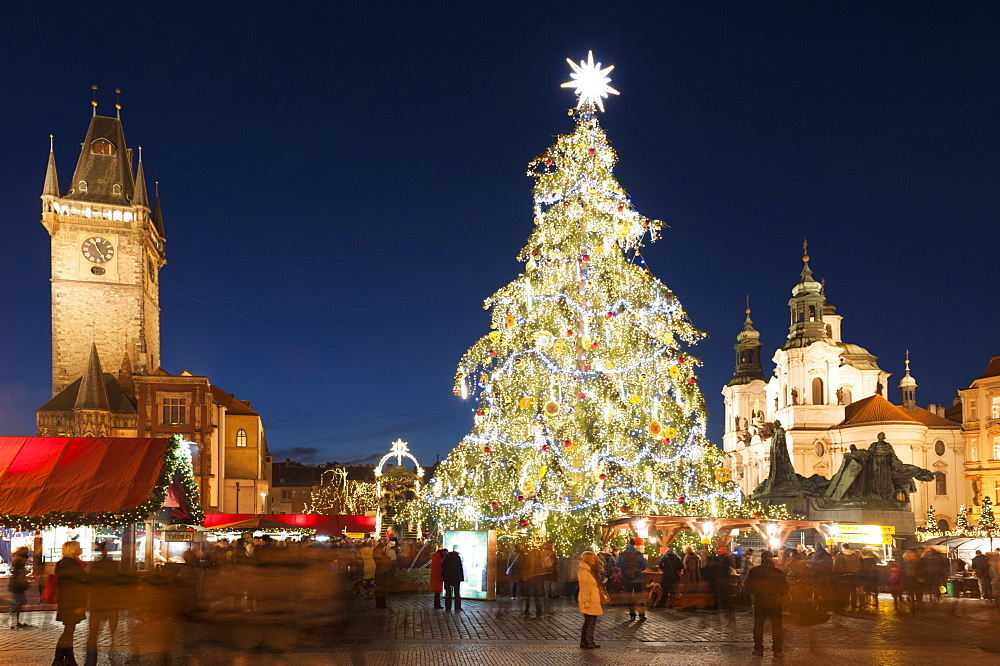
(632, 563)
(18, 586)
(590, 598)
(71, 603)
(868, 577)
(104, 600)
(548, 566)
(767, 585)
(846, 566)
(437, 585)
(515, 570)
(452, 575)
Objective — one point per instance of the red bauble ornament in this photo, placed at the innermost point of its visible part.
(493, 352)
(756, 514)
(494, 505)
(545, 447)
(681, 499)
(603, 477)
(590, 151)
(581, 395)
(666, 441)
(621, 208)
(565, 204)
(487, 449)
(610, 315)
(645, 223)
(520, 498)
(548, 162)
(593, 345)
(568, 443)
(523, 523)
(680, 360)
(479, 412)
(691, 380)
(586, 368)
(569, 333)
(586, 257)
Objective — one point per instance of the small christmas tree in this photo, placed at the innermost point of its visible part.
(963, 519)
(986, 519)
(931, 524)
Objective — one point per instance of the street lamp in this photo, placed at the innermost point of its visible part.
(263, 505)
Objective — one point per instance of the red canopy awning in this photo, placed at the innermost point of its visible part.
(328, 525)
(83, 480)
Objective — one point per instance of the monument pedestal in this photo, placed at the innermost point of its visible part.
(902, 519)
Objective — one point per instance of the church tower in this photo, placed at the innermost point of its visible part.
(908, 387)
(806, 308)
(107, 248)
(746, 393)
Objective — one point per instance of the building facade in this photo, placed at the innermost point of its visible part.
(107, 249)
(981, 434)
(829, 394)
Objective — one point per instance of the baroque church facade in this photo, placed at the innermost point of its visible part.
(829, 394)
(107, 250)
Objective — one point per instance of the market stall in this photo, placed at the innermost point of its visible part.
(114, 489)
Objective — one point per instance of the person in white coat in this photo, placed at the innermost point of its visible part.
(589, 599)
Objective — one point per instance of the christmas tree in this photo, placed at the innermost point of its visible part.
(586, 407)
(931, 524)
(986, 519)
(963, 519)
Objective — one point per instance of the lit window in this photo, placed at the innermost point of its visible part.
(817, 389)
(974, 449)
(996, 448)
(174, 410)
(973, 412)
(995, 408)
(241, 438)
(941, 484)
(102, 147)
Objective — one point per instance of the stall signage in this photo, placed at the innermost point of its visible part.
(474, 549)
(178, 536)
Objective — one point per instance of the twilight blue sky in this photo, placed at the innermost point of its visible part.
(343, 186)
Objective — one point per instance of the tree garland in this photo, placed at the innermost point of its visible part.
(176, 461)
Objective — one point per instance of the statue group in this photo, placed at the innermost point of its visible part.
(872, 476)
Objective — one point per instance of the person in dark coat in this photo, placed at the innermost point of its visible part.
(981, 567)
(452, 574)
(71, 604)
(766, 584)
(516, 564)
(437, 585)
(18, 585)
(632, 563)
(105, 599)
(670, 566)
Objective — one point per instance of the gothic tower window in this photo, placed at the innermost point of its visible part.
(102, 147)
(812, 313)
(82, 186)
(817, 391)
(116, 189)
(241, 438)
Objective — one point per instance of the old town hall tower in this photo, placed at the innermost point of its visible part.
(107, 251)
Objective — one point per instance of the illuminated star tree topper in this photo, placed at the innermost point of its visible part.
(591, 82)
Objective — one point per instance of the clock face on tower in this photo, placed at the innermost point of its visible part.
(98, 250)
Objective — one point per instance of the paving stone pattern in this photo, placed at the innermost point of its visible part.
(411, 632)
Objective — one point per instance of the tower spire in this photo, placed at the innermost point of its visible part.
(92, 394)
(51, 186)
(807, 307)
(157, 213)
(140, 198)
(908, 387)
(118, 105)
(93, 102)
(747, 348)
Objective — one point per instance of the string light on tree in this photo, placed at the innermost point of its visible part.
(583, 400)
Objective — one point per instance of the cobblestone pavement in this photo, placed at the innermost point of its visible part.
(410, 632)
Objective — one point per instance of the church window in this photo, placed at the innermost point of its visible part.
(82, 186)
(940, 483)
(174, 410)
(812, 313)
(116, 189)
(802, 315)
(817, 389)
(241, 438)
(102, 147)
